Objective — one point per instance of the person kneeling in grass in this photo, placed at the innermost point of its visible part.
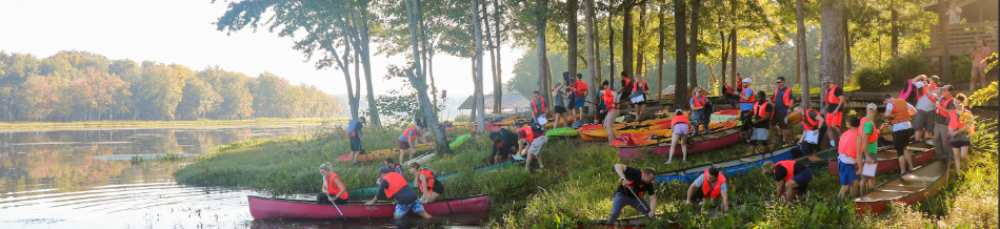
(331, 186)
(635, 182)
(430, 187)
(394, 186)
(713, 185)
(793, 178)
(848, 158)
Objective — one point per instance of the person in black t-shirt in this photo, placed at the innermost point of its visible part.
(504, 143)
(635, 184)
(791, 184)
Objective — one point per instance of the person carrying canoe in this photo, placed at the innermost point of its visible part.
(559, 114)
(504, 142)
(897, 114)
(783, 102)
(812, 126)
(393, 185)
(961, 125)
(425, 179)
(831, 110)
(681, 130)
(331, 186)
(535, 138)
(537, 108)
(945, 107)
(793, 178)
(701, 109)
(408, 139)
(763, 111)
(635, 184)
(611, 110)
(848, 158)
(712, 185)
(354, 128)
(870, 134)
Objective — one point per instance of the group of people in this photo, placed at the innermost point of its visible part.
(391, 185)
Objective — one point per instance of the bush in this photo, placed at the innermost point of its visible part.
(463, 118)
(961, 69)
(894, 72)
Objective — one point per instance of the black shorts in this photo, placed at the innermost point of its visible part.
(438, 187)
(779, 120)
(901, 139)
(560, 110)
(960, 144)
(355, 144)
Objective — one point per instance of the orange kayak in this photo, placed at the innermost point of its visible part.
(663, 135)
(596, 132)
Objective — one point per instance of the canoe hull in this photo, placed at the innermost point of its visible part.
(741, 166)
(871, 203)
(632, 153)
(369, 192)
(266, 208)
(562, 132)
(893, 164)
(384, 153)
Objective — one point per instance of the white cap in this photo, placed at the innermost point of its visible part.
(746, 80)
(678, 110)
(872, 106)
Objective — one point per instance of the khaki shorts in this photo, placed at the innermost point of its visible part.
(537, 145)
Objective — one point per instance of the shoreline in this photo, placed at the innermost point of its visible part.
(10, 127)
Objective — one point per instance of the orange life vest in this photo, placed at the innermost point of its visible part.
(641, 184)
(636, 85)
(875, 132)
(786, 99)
(900, 111)
(808, 122)
(430, 180)
(925, 91)
(830, 97)
(789, 166)
(699, 103)
(540, 106)
(848, 143)
(609, 99)
(752, 99)
(760, 109)
(407, 133)
(396, 183)
(713, 192)
(679, 119)
(332, 188)
(955, 121)
(944, 103)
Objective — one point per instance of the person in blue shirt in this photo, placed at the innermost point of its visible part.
(783, 101)
(746, 98)
(354, 128)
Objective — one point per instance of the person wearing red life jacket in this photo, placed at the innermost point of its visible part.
(579, 96)
(898, 113)
(354, 130)
(812, 126)
(701, 111)
(945, 107)
(610, 110)
(537, 107)
(783, 100)
(639, 95)
(333, 189)
(848, 156)
(394, 186)
(681, 129)
(831, 110)
(535, 139)
(408, 139)
(793, 178)
(870, 133)
(763, 111)
(635, 184)
(709, 186)
(425, 178)
(961, 125)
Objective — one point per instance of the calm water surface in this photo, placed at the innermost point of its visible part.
(86, 179)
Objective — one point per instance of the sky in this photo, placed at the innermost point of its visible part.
(181, 32)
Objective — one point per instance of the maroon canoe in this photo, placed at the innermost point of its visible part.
(702, 143)
(914, 186)
(267, 208)
(888, 158)
(635, 222)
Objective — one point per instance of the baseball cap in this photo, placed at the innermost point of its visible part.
(746, 80)
(383, 170)
(678, 110)
(767, 166)
(828, 81)
(872, 106)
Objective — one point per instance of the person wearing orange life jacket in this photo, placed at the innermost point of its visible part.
(945, 107)
(961, 125)
(681, 129)
(394, 186)
(635, 184)
(831, 110)
(354, 128)
(639, 95)
(763, 112)
(848, 156)
(610, 110)
(537, 108)
(425, 180)
(579, 96)
(625, 92)
(701, 110)
(927, 92)
(897, 114)
(870, 133)
(812, 126)
(331, 186)
(793, 178)
(783, 103)
(408, 139)
(535, 140)
(712, 185)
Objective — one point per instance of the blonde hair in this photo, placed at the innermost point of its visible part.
(326, 166)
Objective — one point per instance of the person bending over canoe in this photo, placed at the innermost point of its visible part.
(354, 128)
(712, 185)
(793, 178)
(333, 189)
(681, 130)
(897, 114)
(848, 158)
(870, 134)
(639, 182)
(961, 125)
(535, 139)
(504, 142)
(812, 126)
(408, 139)
(394, 186)
(430, 187)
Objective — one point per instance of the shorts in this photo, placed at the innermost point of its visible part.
(681, 129)
(923, 120)
(356, 143)
(848, 173)
(560, 110)
(438, 187)
(978, 69)
(779, 120)
(834, 119)
(901, 139)
(402, 144)
(580, 102)
(759, 135)
(537, 145)
(803, 179)
(960, 144)
(402, 209)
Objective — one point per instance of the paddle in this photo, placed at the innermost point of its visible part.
(640, 201)
(338, 209)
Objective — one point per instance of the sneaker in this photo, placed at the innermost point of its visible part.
(668, 162)
(539, 169)
(684, 161)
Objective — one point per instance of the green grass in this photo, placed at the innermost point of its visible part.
(160, 124)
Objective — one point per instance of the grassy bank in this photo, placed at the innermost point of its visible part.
(16, 126)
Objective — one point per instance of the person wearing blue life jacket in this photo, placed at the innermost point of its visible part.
(354, 130)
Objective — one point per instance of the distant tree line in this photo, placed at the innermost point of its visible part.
(82, 86)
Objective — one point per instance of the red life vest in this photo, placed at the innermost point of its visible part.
(407, 133)
(430, 180)
(699, 103)
(830, 97)
(786, 99)
(875, 132)
(789, 166)
(925, 91)
(808, 122)
(944, 103)
(332, 188)
(641, 184)
(396, 182)
(679, 119)
(955, 121)
(609, 99)
(713, 192)
(848, 143)
(760, 109)
(752, 99)
(529, 134)
(540, 106)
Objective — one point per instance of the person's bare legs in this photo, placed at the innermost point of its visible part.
(539, 159)
(958, 162)
(402, 153)
(431, 196)
(673, 143)
(790, 190)
(902, 163)
(527, 162)
(412, 151)
(684, 148)
(965, 155)
(909, 159)
(609, 124)
(557, 116)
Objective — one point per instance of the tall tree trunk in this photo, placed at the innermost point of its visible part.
(895, 30)
(659, 48)
(680, 82)
(832, 46)
(417, 80)
(847, 45)
(640, 60)
(572, 55)
(367, 65)
(803, 63)
(592, 66)
(475, 88)
(733, 38)
(493, 62)
(627, 38)
(725, 53)
(541, 6)
(695, 8)
(498, 93)
(611, 47)
(478, 31)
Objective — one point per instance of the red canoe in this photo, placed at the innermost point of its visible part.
(702, 143)
(923, 182)
(887, 158)
(635, 222)
(267, 208)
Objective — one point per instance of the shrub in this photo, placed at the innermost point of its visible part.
(961, 69)
(462, 118)
(894, 72)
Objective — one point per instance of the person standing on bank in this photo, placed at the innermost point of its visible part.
(848, 158)
(559, 115)
(354, 130)
(712, 184)
(634, 185)
(897, 114)
(610, 110)
(579, 96)
(430, 187)
(783, 103)
(746, 100)
(945, 107)
(331, 186)
(962, 124)
(625, 94)
(763, 112)
(927, 92)
(537, 107)
(870, 134)
(393, 185)
(978, 66)
(701, 108)
(639, 97)
(831, 111)
(680, 130)
(812, 125)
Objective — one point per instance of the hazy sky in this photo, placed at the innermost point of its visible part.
(181, 32)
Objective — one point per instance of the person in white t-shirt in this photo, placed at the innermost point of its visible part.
(954, 13)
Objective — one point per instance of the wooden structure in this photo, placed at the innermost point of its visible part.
(980, 18)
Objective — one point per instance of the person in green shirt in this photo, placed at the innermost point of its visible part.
(871, 149)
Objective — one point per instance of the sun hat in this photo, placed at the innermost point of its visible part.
(767, 166)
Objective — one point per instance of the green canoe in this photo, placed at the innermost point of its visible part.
(562, 132)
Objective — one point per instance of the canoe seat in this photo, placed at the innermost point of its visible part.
(887, 190)
(915, 178)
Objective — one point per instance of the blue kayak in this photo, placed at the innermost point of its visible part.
(731, 168)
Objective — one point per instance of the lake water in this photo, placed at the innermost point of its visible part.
(87, 179)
